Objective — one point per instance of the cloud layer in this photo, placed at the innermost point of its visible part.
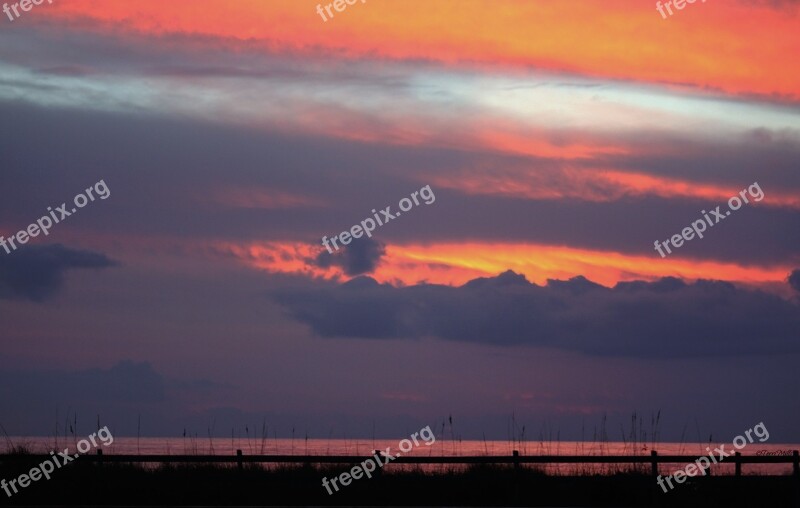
(665, 318)
(36, 272)
(361, 256)
(235, 138)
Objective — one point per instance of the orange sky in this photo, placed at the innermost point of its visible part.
(603, 185)
(625, 39)
(458, 263)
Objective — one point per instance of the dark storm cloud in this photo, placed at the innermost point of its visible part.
(665, 318)
(361, 256)
(36, 272)
(794, 280)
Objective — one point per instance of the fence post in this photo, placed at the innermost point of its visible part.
(796, 474)
(239, 459)
(736, 457)
(378, 466)
(654, 464)
(517, 480)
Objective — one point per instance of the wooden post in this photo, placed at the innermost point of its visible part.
(239, 459)
(736, 458)
(517, 480)
(796, 474)
(655, 498)
(378, 466)
(654, 464)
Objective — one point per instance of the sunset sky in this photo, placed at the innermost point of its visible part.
(561, 139)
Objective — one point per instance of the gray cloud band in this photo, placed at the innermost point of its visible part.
(698, 227)
(672, 318)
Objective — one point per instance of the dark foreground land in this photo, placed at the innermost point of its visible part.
(213, 485)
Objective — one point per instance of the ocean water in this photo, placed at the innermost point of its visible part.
(440, 447)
